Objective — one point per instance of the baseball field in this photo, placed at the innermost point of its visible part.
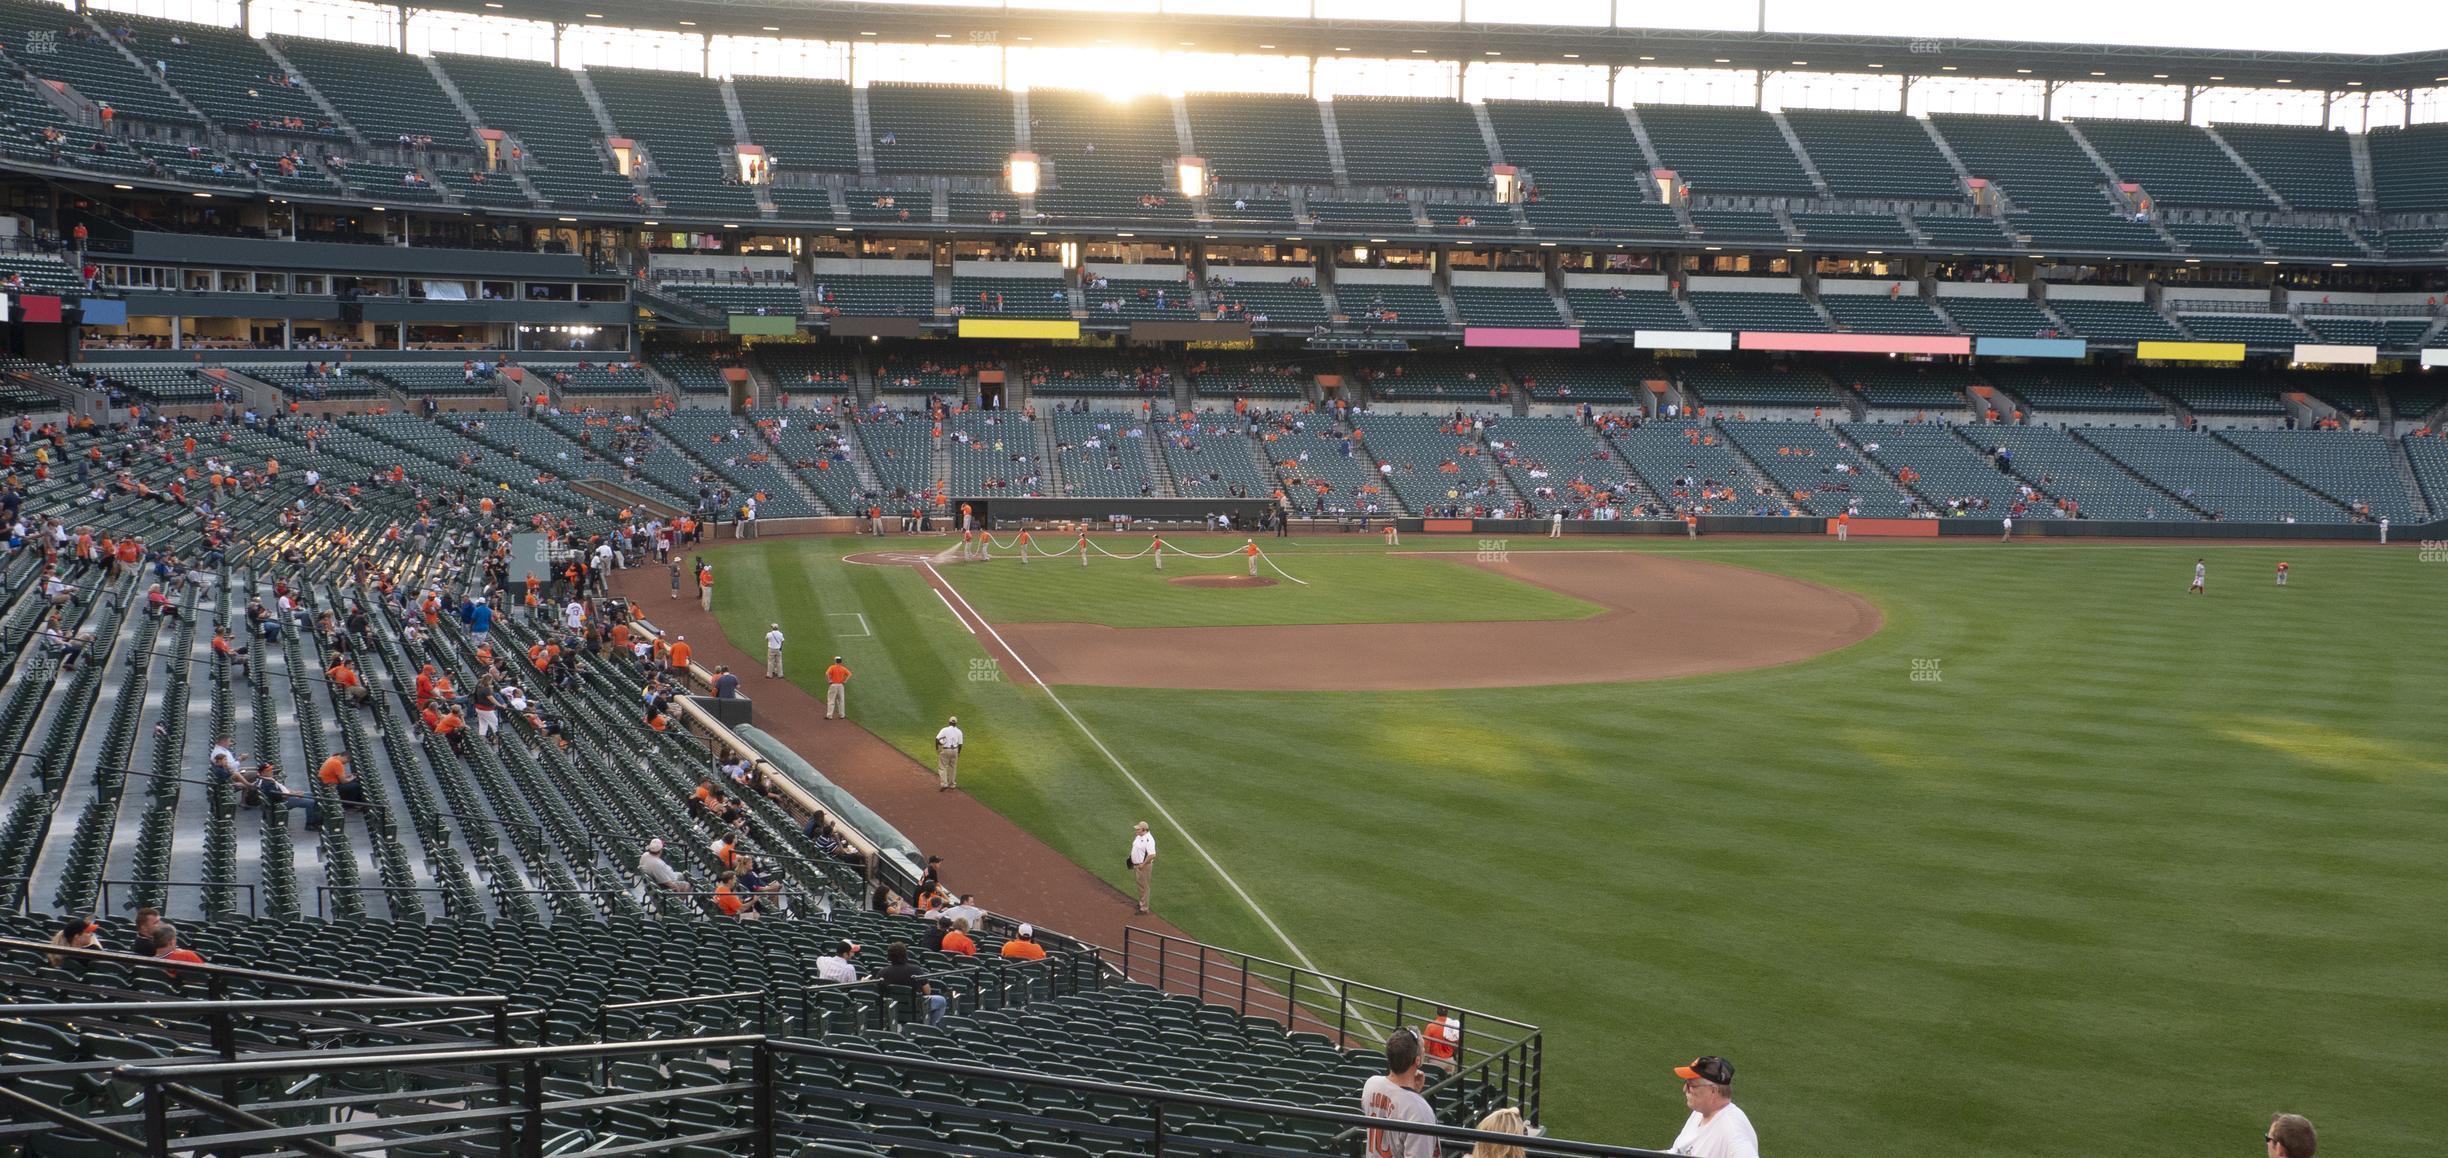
(1955, 848)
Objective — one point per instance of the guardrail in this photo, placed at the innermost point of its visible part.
(1506, 1055)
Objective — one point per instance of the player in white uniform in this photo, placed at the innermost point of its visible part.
(1394, 1096)
(2201, 577)
(1717, 1127)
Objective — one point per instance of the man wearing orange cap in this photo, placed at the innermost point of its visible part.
(1717, 1127)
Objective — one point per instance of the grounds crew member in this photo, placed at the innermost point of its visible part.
(837, 679)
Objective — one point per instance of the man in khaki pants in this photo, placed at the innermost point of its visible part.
(948, 743)
(837, 699)
(1143, 860)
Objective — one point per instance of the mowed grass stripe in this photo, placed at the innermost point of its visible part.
(2136, 861)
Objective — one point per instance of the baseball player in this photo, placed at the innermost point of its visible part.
(1249, 549)
(2282, 572)
(2201, 577)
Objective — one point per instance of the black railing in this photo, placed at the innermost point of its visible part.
(1498, 1052)
(733, 1097)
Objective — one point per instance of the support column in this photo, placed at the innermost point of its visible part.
(705, 56)
(401, 25)
(2328, 102)
(2048, 100)
(1759, 79)
(557, 28)
(2190, 92)
(1904, 94)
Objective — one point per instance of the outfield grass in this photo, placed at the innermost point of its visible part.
(2135, 866)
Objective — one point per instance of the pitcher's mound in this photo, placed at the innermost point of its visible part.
(1222, 581)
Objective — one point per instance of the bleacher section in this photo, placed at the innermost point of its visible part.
(2410, 168)
(2355, 468)
(872, 295)
(1404, 306)
(2072, 389)
(2322, 241)
(1873, 230)
(1724, 150)
(2211, 475)
(1269, 304)
(1880, 314)
(1216, 455)
(2068, 469)
(1687, 465)
(2174, 163)
(1946, 472)
(1234, 374)
(805, 125)
(556, 131)
(1253, 138)
(1998, 317)
(1604, 381)
(940, 128)
(979, 296)
(1456, 380)
(2058, 194)
(1111, 160)
(2210, 237)
(2271, 330)
(687, 135)
(384, 95)
(2311, 168)
(1394, 141)
(1361, 215)
(1725, 387)
(1874, 154)
(2112, 321)
(1622, 311)
(1779, 312)
(1571, 154)
(1434, 467)
(1728, 226)
(2215, 392)
(1935, 389)
(1970, 232)
(1524, 306)
(71, 52)
(1821, 474)
(1102, 454)
(1556, 463)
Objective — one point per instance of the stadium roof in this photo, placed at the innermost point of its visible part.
(888, 22)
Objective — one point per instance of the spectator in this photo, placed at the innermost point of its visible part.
(166, 948)
(956, 939)
(1506, 1120)
(1717, 1127)
(148, 932)
(658, 872)
(731, 899)
(1394, 1096)
(773, 657)
(835, 967)
(1443, 1037)
(343, 781)
(2290, 1136)
(898, 973)
(1023, 945)
(726, 685)
(279, 798)
(74, 933)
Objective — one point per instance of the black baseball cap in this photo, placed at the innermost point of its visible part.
(1708, 1069)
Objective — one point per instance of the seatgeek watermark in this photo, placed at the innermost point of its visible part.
(1925, 671)
(1495, 550)
(2433, 551)
(985, 671)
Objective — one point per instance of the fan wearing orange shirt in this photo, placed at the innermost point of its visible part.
(680, 652)
(335, 772)
(956, 940)
(1023, 946)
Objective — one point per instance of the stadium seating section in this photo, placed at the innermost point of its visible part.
(1872, 154)
(1259, 139)
(1572, 157)
(1390, 141)
(2175, 164)
(806, 126)
(2059, 196)
(2310, 168)
(2410, 168)
(688, 138)
(1724, 150)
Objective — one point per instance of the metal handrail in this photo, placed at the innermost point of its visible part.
(1207, 1101)
(211, 970)
(318, 1062)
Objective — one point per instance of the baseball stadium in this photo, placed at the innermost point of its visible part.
(1222, 578)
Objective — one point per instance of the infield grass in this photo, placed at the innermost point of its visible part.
(2133, 870)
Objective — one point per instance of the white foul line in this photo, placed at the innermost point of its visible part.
(956, 615)
(1135, 783)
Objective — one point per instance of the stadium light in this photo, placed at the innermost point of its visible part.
(1021, 174)
(1192, 175)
